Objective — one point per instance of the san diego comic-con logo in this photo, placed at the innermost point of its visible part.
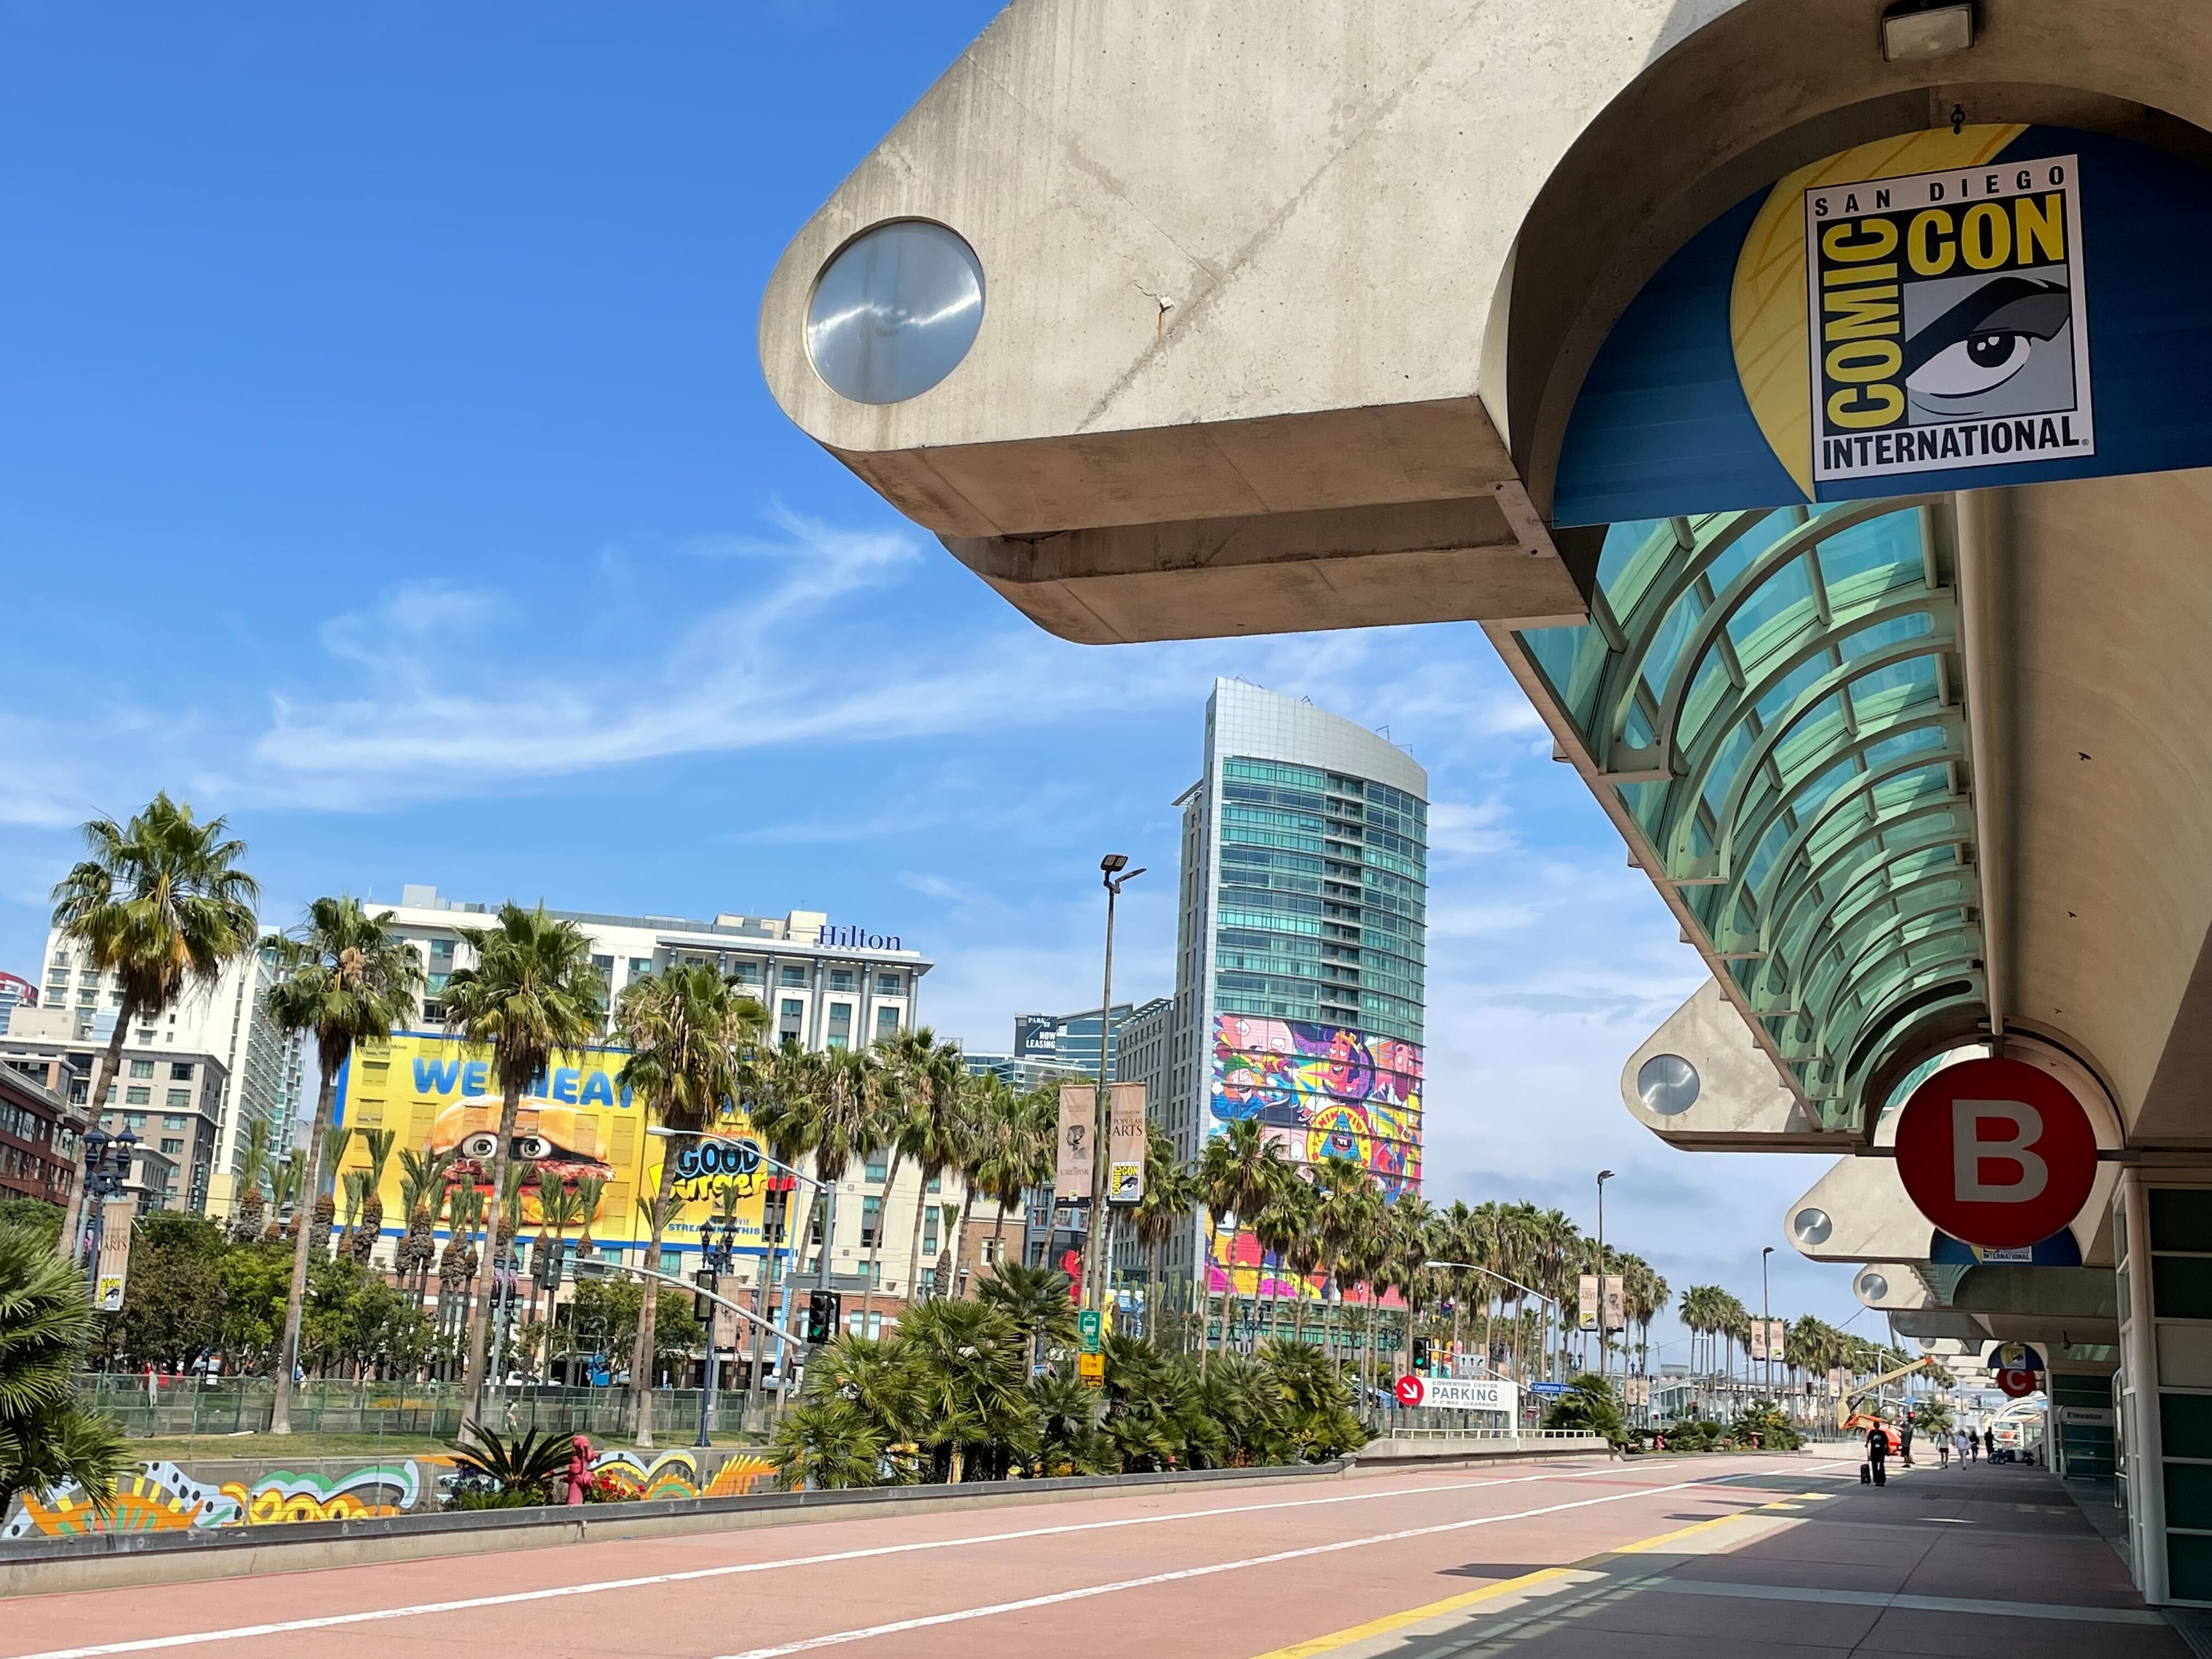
(1947, 322)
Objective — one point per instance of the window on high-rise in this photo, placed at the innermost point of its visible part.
(180, 1071)
(181, 1099)
(840, 1025)
(142, 1068)
(840, 979)
(887, 985)
(887, 1022)
(872, 1220)
(793, 975)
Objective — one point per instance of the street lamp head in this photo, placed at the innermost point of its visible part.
(1605, 1175)
(1113, 863)
(1769, 1250)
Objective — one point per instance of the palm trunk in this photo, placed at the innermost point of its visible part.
(70, 1239)
(472, 1373)
(288, 1350)
(876, 1250)
(1152, 1294)
(648, 1313)
(960, 1226)
(914, 1243)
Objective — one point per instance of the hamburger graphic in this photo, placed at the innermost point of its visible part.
(562, 1143)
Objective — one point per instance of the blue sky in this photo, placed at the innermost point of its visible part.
(385, 461)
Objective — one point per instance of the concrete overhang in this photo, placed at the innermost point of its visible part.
(1741, 1104)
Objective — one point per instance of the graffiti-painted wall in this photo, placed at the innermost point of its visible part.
(165, 1497)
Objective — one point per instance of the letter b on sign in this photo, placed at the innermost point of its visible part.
(1996, 1152)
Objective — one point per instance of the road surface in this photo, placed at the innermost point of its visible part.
(1287, 1569)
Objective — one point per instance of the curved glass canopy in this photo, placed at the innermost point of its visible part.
(1771, 705)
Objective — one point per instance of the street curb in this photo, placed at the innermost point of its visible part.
(46, 1566)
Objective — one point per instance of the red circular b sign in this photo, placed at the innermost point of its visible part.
(1411, 1390)
(1996, 1152)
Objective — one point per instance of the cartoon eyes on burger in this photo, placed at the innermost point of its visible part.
(1968, 368)
(483, 1143)
(532, 1146)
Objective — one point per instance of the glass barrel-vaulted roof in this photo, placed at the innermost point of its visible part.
(1772, 703)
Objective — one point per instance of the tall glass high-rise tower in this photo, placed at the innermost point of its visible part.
(1303, 947)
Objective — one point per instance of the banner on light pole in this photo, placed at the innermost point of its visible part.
(113, 1267)
(1078, 1149)
(1125, 1153)
(1586, 1299)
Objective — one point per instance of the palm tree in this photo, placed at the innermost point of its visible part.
(1414, 1228)
(345, 979)
(589, 1190)
(1240, 1168)
(249, 1204)
(283, 1193)
(421, 1195)
(923, 1086)
(1339, 1216)
(685, 1030)
(533, 993)
(47, 1436)
(1284, 1219)
(378, 1144)
(1163, 1207)
(162, 904)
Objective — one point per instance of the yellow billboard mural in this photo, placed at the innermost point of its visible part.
(441, 1095)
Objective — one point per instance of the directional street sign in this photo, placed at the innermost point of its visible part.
(1996, 1152)
(1547, 1389)
(1410, 1390)
(1092, 1368)
(1463, 1393)
(1088, 1325)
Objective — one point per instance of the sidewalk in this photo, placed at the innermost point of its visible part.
(1977, 1563)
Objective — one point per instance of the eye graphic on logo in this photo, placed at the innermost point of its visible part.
(483, 1143)
(1984, 343)
(532, 1146)
(1966, 369)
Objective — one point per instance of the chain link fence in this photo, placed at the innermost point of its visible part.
(176, 1406)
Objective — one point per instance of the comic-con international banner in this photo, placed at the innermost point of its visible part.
(1940, 310)
(577, 1122)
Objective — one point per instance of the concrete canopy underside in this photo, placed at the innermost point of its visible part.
(1288, 308)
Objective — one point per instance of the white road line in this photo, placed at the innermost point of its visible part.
(838, 1638)
(327, 1621)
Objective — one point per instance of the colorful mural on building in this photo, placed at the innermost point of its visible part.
(1318, 1092)
(161, 1497)
(1324, 1091)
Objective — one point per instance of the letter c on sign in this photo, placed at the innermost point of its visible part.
(1996, 1152)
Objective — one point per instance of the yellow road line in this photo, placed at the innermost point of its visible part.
(1389, 1622)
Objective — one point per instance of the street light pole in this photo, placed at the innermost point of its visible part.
(1095, 1269)
(1604, 1339)
(1764, 1316)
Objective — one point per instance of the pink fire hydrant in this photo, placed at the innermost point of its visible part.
(580, 1468)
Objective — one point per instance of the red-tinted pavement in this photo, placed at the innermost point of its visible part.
(1234, 1573)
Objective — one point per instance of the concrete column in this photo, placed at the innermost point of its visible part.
(2139, 1464)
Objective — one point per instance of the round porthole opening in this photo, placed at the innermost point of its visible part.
(1668, 1085)
(894, 311)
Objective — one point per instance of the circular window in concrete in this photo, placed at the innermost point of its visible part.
(1812, 1226)
(1872, 1286)
(895, 311)
(1668, 1085)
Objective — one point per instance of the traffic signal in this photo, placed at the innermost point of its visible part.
(702, 1306)
(823, 1307)
(1421, 1353)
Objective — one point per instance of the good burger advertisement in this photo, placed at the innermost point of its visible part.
(577, 1121)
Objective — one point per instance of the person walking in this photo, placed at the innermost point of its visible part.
(1904, 1443)
(1942, 1451)
(1964, 1440)
(1989, 1442)
(1878, 1453)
